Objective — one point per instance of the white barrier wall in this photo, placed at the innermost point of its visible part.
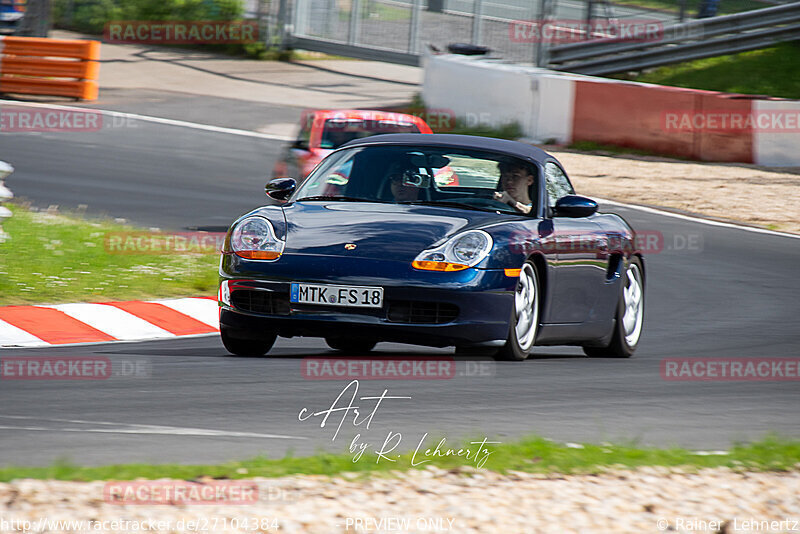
(553, 108)
(5, 194)
(482, 91)
(778, 144)
(560, 107)
(494, 96)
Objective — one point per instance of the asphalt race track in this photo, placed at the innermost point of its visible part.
(711, 292)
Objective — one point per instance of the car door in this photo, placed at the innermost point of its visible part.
(581, 250)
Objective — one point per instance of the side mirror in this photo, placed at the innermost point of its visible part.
(280, 188)
(575, 206)
(300, 144)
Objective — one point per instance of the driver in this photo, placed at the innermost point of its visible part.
(400, 191)
(515, 182)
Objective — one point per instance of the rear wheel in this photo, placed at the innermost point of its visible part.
(629, 319)
(350, 345)
(524, 317)
(246, 347)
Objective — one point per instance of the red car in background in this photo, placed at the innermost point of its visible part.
(323, 131)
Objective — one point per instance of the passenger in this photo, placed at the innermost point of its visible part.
(515, 182)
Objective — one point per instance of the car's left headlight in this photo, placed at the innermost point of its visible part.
(457, 253)
(254, 238)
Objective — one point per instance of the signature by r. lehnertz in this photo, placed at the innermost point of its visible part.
(359, 415)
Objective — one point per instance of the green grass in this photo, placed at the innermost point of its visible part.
(511, 130)
(54, 258)
(532, 454)
(770, 71)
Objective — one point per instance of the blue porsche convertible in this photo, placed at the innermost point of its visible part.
(437, 240)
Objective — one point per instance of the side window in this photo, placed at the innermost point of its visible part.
(556, 183)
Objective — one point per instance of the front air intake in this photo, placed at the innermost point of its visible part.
(421, 312)
(256, 301)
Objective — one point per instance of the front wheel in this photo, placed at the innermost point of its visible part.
(629, 319)
(524, 317)
(246, 347)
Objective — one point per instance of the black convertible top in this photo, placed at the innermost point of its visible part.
(509, 148)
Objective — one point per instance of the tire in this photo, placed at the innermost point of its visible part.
(246, 347)
(629, 319)
(524, 324)
(350, 345)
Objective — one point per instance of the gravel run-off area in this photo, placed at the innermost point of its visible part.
(758, 196)
(467, 500)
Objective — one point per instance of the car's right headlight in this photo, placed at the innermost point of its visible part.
(458, 253)
(254, 238)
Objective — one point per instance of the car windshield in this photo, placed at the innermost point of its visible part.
(337, 132)
(453, 177)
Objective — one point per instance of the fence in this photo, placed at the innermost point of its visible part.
(27, 67)
(401, 30)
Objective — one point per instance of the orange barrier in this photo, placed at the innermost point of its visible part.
(26, 67)
(665, 120)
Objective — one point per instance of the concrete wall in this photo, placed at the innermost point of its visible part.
(563, 108)
(778, 145)
(488, 92)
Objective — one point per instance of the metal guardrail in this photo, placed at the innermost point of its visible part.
(373, 53)
(688, 52)
(682, 42)
(5, 194)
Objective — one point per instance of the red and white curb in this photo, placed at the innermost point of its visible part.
(61, 324)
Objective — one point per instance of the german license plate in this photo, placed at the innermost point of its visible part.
(329, 295)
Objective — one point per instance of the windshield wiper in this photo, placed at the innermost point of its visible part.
(343, 199)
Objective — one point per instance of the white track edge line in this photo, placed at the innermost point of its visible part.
(157, 120)
(701, 220)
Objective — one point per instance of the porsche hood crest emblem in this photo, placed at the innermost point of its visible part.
(350, 246)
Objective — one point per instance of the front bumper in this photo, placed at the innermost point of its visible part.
(482, 301)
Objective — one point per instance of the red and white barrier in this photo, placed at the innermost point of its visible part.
(563, 108)
(60, 324)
